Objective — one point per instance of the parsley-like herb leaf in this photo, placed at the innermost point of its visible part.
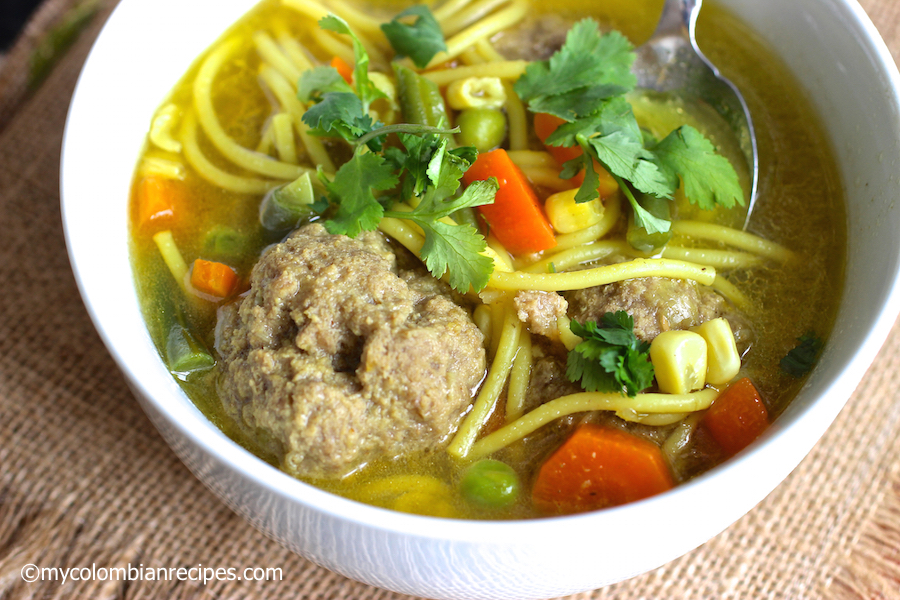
(429, 169)
(585, 83)
(588, 67)
(709, 178)
(801, 359)
(365, 89)
(452, 249)
(610, 357)
(352, 191)
(421, 40)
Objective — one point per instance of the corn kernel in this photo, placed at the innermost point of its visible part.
(724, 361)
(567, 216)
(476, 92)
(679, 361)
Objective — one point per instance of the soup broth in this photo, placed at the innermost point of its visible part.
(782, 288)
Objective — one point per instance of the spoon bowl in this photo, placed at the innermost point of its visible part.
(671, 61)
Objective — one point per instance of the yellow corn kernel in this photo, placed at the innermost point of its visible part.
(567, 216)
(679, 361)
(723, 359)
(476, 92)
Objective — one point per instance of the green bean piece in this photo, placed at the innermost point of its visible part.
(286, 207)
(224, 242)
(484, 128)
(638, 237)
(185, 354)
(420, 98)
(490, 483)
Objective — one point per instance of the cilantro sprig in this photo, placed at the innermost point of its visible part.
(420, 40)
(585, 83)
(610, 358)
(800, 359)
(422, 170)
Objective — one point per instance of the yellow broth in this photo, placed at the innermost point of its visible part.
(800, 206)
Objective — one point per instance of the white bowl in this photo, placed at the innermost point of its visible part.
(145, 48)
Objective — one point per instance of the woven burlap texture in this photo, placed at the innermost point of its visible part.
(86, 480)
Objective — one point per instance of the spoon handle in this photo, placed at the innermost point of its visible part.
(679, 18)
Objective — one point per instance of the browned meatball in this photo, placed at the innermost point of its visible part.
(656, 304)
(334, 359)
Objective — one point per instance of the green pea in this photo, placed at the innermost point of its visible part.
(483, 128)
(490, 483)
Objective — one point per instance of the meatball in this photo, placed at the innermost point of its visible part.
(334, 359)
(540, 311)
(656, 304)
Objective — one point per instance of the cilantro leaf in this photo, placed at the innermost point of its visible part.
(319, 80)
(456, 250)
(365, 89)
(709, 178)
(610, 358)
(339, 114)
(586, 57)
(453, 249)
(801, 359)
(419, 41)
(429, 169)
(351, 189)
(584, 83)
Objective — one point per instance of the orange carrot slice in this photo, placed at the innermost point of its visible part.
(737, 417)
(516, 217)
(213, 278)
(597, 467)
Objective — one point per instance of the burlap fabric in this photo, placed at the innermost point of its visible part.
(86, 481)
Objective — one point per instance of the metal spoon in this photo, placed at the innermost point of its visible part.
(671, 61)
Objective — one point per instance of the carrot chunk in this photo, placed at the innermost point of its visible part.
(213, 278)
(345, 70)
(737, 417)
(516, 217)
(156, 197)
(598, 467)
(544, 125)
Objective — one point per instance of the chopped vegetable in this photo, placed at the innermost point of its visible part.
(679, 361)
(801, 359)
(213, 278)
(224, 242)
(637, 236)
(420, 99)
(598, 467)
(184, 354)
(476, 92)
(428, 168)
(566, 215)
(610, 358)
(420, 41)
(723, 358)
(737, 417)
(515, 217)
(482, 128)
(287, 206)
(544, 126)
(490, 483)
(584, 84)
(156, 198)
(343, 69)
(338, 109)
